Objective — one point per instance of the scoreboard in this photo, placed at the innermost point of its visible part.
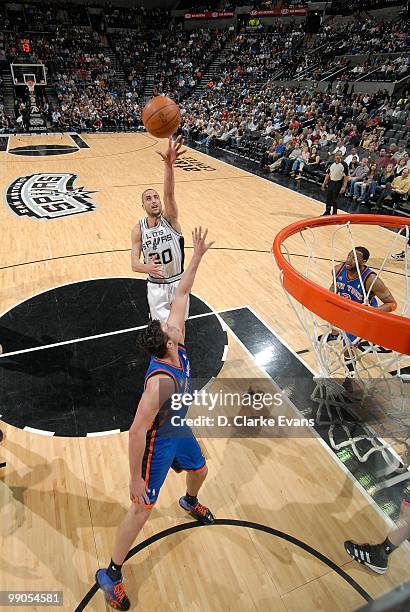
(25, 45)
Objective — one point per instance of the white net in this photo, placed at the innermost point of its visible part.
(362, 390)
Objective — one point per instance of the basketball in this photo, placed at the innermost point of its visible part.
(161, 117)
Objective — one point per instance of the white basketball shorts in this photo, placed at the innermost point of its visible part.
(160, 298)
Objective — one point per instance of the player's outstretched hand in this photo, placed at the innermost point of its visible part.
(198, 240)
(174, 150)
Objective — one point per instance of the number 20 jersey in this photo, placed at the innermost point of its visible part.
(165, 242)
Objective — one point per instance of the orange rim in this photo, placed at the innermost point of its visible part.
(383, 328)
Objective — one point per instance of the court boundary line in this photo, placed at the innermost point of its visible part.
(248, 525)
(262, 178)
(315, 434)
(303, 362)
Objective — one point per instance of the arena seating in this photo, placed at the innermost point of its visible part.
(100, 79)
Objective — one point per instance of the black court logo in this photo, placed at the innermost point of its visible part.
(48, 196)
(191, 164)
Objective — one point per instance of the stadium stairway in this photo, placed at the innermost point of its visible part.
(8, 92)
(214, 69)
(152, 71)
(52, 95)
(116, 64)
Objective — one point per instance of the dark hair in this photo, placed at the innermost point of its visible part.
(153, 339)
(364, 252)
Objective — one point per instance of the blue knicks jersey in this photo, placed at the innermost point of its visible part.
(352, 289)
(181, 377)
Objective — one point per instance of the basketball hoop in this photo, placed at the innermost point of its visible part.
(352, 340)
(387, 330)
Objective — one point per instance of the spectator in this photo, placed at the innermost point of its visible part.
(358, 175)
(395, 190)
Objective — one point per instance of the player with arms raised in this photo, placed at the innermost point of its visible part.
(159, 237)
(154, 445)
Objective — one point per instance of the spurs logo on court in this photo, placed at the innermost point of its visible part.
(48, 196)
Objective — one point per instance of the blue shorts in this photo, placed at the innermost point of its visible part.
(181, 453)
(351, 337)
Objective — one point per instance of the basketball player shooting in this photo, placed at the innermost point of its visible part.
(159, 237)
(155, 445)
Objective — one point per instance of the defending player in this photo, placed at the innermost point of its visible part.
(376, 556)
(349, 285)
(154, 446)
(160, 239)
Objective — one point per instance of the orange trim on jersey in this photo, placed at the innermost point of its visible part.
(170, 374)
(150, 452)
(169, 364)
(406, 503)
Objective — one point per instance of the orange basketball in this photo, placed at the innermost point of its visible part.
(161, 117)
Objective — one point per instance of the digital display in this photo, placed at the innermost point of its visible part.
(25, 45)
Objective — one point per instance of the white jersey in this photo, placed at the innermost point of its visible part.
(163, 240)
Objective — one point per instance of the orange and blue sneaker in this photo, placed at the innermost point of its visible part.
(198, 511)
(113, 590)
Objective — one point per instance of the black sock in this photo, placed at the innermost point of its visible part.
(191, 499)
(388, 546)
(349, 365)
(114, 571)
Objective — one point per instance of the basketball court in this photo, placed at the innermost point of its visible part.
(71, 378)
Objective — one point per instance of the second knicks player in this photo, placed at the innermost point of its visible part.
(159, 237)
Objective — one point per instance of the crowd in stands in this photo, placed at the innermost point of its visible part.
(133, 49)
(241, 108)
(231, 5)
(198, 7)
(298, 132)
(182, 58)
(368, 36)
(136, 17)
(89, 93)
(41, 17)
(345, 7)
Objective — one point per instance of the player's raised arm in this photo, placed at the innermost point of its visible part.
(178, 308)
(170, 156)
(383, 294)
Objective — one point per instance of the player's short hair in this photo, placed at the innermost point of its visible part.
(144, 192)
(153, 339)
(365, 252)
